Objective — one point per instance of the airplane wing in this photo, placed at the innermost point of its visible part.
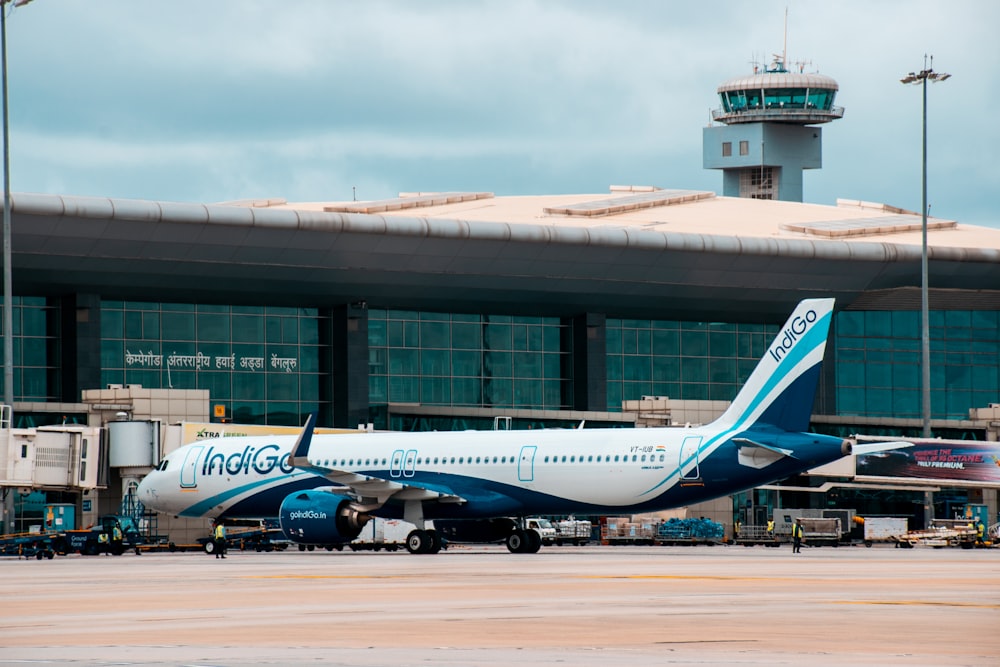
(368, 489)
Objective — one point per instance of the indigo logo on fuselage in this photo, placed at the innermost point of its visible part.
(306, 514)
(249, 460)
(797, 327)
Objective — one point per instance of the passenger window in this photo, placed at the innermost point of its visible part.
(643, 458)
(461, 459)
(633, 458)
(564, 459)
(590, 458)
(616, 458)
(477, 459)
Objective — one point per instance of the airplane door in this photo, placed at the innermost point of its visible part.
(189, 469)
(396, 465)
(411, 463)
(689, 454)
(526, 463)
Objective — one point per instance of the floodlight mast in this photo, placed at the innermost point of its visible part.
(921, 78)
(8, 297)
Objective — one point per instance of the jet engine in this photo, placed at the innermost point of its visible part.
(320, 517)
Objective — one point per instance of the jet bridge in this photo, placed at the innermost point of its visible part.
(68, 457)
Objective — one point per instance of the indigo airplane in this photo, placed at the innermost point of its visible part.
(480, 485)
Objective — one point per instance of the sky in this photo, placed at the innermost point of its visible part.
(323, 100)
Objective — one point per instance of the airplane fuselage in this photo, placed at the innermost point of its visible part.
(497, 473)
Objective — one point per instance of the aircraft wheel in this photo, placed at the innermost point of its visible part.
(436, 541)
(532, 542)
(418, 542)
(524, 542)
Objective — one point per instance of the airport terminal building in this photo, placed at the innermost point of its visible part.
(462, 310)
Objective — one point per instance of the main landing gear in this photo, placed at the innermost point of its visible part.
(423, 542)
(524, 541)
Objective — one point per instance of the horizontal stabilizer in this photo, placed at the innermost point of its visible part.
(758, 455)
(876, 447)
(745, 442)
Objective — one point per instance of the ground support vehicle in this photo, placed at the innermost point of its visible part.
(684, 532)
(546, 531)
(819, 532)
(753, 535)
(99, 538)
(883, 529)
(941, 533)
(262, 536)
(27, 545)
(378, 534)
(622, 530)
(573, 531)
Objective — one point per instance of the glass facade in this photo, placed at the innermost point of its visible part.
(878, 363)
(493, 361)
(262, 363)
(682, 360)
(36, 355)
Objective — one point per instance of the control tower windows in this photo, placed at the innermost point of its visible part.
(759, 183)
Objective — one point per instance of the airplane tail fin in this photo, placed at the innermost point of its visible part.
(782, 388)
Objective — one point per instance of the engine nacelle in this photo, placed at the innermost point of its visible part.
(320, 517)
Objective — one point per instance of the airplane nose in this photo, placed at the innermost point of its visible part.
(146, 488)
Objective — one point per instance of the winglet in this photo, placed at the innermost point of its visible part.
(300, 452)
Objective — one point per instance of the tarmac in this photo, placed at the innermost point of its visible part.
(594, 605)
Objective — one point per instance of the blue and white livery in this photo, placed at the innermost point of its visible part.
(324, 488)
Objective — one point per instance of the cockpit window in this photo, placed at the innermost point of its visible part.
(163, 465)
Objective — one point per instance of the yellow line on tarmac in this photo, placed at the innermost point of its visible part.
(693, 577)
(921, 603)
(322, 576)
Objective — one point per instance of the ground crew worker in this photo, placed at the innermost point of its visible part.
(981, 532)
(770, 528)
(102, 542)
(797, 536)
(220, 539)
(116, 539)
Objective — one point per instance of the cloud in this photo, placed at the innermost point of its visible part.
(227, 99)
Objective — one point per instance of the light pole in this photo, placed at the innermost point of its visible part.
(921, 78)
(8, 290)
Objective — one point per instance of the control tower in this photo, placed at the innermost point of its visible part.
(768, 133)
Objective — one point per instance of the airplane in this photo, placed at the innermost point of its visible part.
(324, 488)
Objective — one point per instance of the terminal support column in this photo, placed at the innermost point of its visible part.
(80, 338)
(586, 341)
(346, 340)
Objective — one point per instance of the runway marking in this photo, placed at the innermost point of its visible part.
(694, 577)
(327, 576)
(921, 603)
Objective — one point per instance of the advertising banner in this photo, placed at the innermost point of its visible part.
(194, 431)
(937, 460)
